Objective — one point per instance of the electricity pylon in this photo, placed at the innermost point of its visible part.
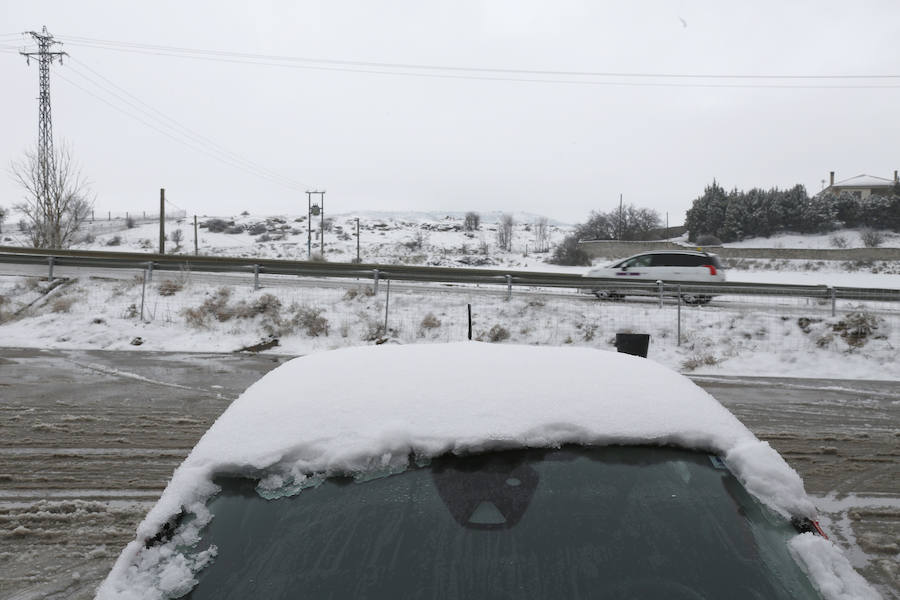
(45, 56)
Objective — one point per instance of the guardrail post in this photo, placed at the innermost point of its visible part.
(679, 315)
(376, 282)
(50, 275)
(509, 287)
(255, 277)
(659, 284)
(833, 302)
(387, 301)
(150, 270)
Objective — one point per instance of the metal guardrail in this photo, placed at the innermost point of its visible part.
(212, 264)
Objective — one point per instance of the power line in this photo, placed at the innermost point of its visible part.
(183, 51)
(184, 142)
(602, 83)
(172, 124)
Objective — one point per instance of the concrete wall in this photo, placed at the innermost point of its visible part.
(617, 249)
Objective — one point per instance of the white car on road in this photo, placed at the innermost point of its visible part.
(668, 266)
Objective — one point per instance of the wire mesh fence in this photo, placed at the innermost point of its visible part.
(330, 312)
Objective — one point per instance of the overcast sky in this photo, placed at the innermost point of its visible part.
(439, 139)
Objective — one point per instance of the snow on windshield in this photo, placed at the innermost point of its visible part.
(374, 408)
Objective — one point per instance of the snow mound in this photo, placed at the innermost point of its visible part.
(829, 569)
(375, 408)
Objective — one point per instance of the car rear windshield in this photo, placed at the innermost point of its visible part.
(565, 523)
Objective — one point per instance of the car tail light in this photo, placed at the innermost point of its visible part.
(712, 269)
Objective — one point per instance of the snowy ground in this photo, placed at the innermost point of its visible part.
(776, 335)
(735, 335)
(78, 471)
(846, 238)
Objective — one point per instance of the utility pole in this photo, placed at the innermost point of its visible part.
(357, 241)
(45, 56)
(196, 250)
(162, 220)
(621, 223)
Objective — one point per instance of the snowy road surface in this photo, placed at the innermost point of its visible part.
(88, 439)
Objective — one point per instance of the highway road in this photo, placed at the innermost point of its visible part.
(88, 440)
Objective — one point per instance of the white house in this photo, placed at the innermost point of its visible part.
(862, 186)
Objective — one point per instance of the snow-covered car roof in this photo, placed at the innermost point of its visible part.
(367, 408)
(376, 408)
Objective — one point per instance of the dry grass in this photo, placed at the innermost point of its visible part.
(169, 287)
(63, 304)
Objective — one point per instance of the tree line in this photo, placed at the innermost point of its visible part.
(738, 214)
(623, 223)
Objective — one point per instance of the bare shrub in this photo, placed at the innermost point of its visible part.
(871, 238)
(235, 229)
(216, 225)
(569, 253)
(4, 314)
(177, 237)
(361, 291)
(699, 360)
(115, 240)
(542, 235)
(215, 306)
(169, 287)
(838, 241)
(498, 333)
(257, 229)
(310, 320)
(856, 328)
(129, 222)
(417, 242)
(429, 322)
(63, 304)
(505, 232)
(373, 329)
(264, 238)
(471, 221)
(267, 304)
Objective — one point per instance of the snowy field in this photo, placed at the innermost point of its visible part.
(774, 336)
(847, 238)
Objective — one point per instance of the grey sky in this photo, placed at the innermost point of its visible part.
(395, 142)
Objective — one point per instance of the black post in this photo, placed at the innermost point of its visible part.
(469, 307)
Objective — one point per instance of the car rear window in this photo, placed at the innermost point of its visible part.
(565, 523)
(679, 260)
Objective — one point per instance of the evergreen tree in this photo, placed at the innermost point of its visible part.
(707, 213)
